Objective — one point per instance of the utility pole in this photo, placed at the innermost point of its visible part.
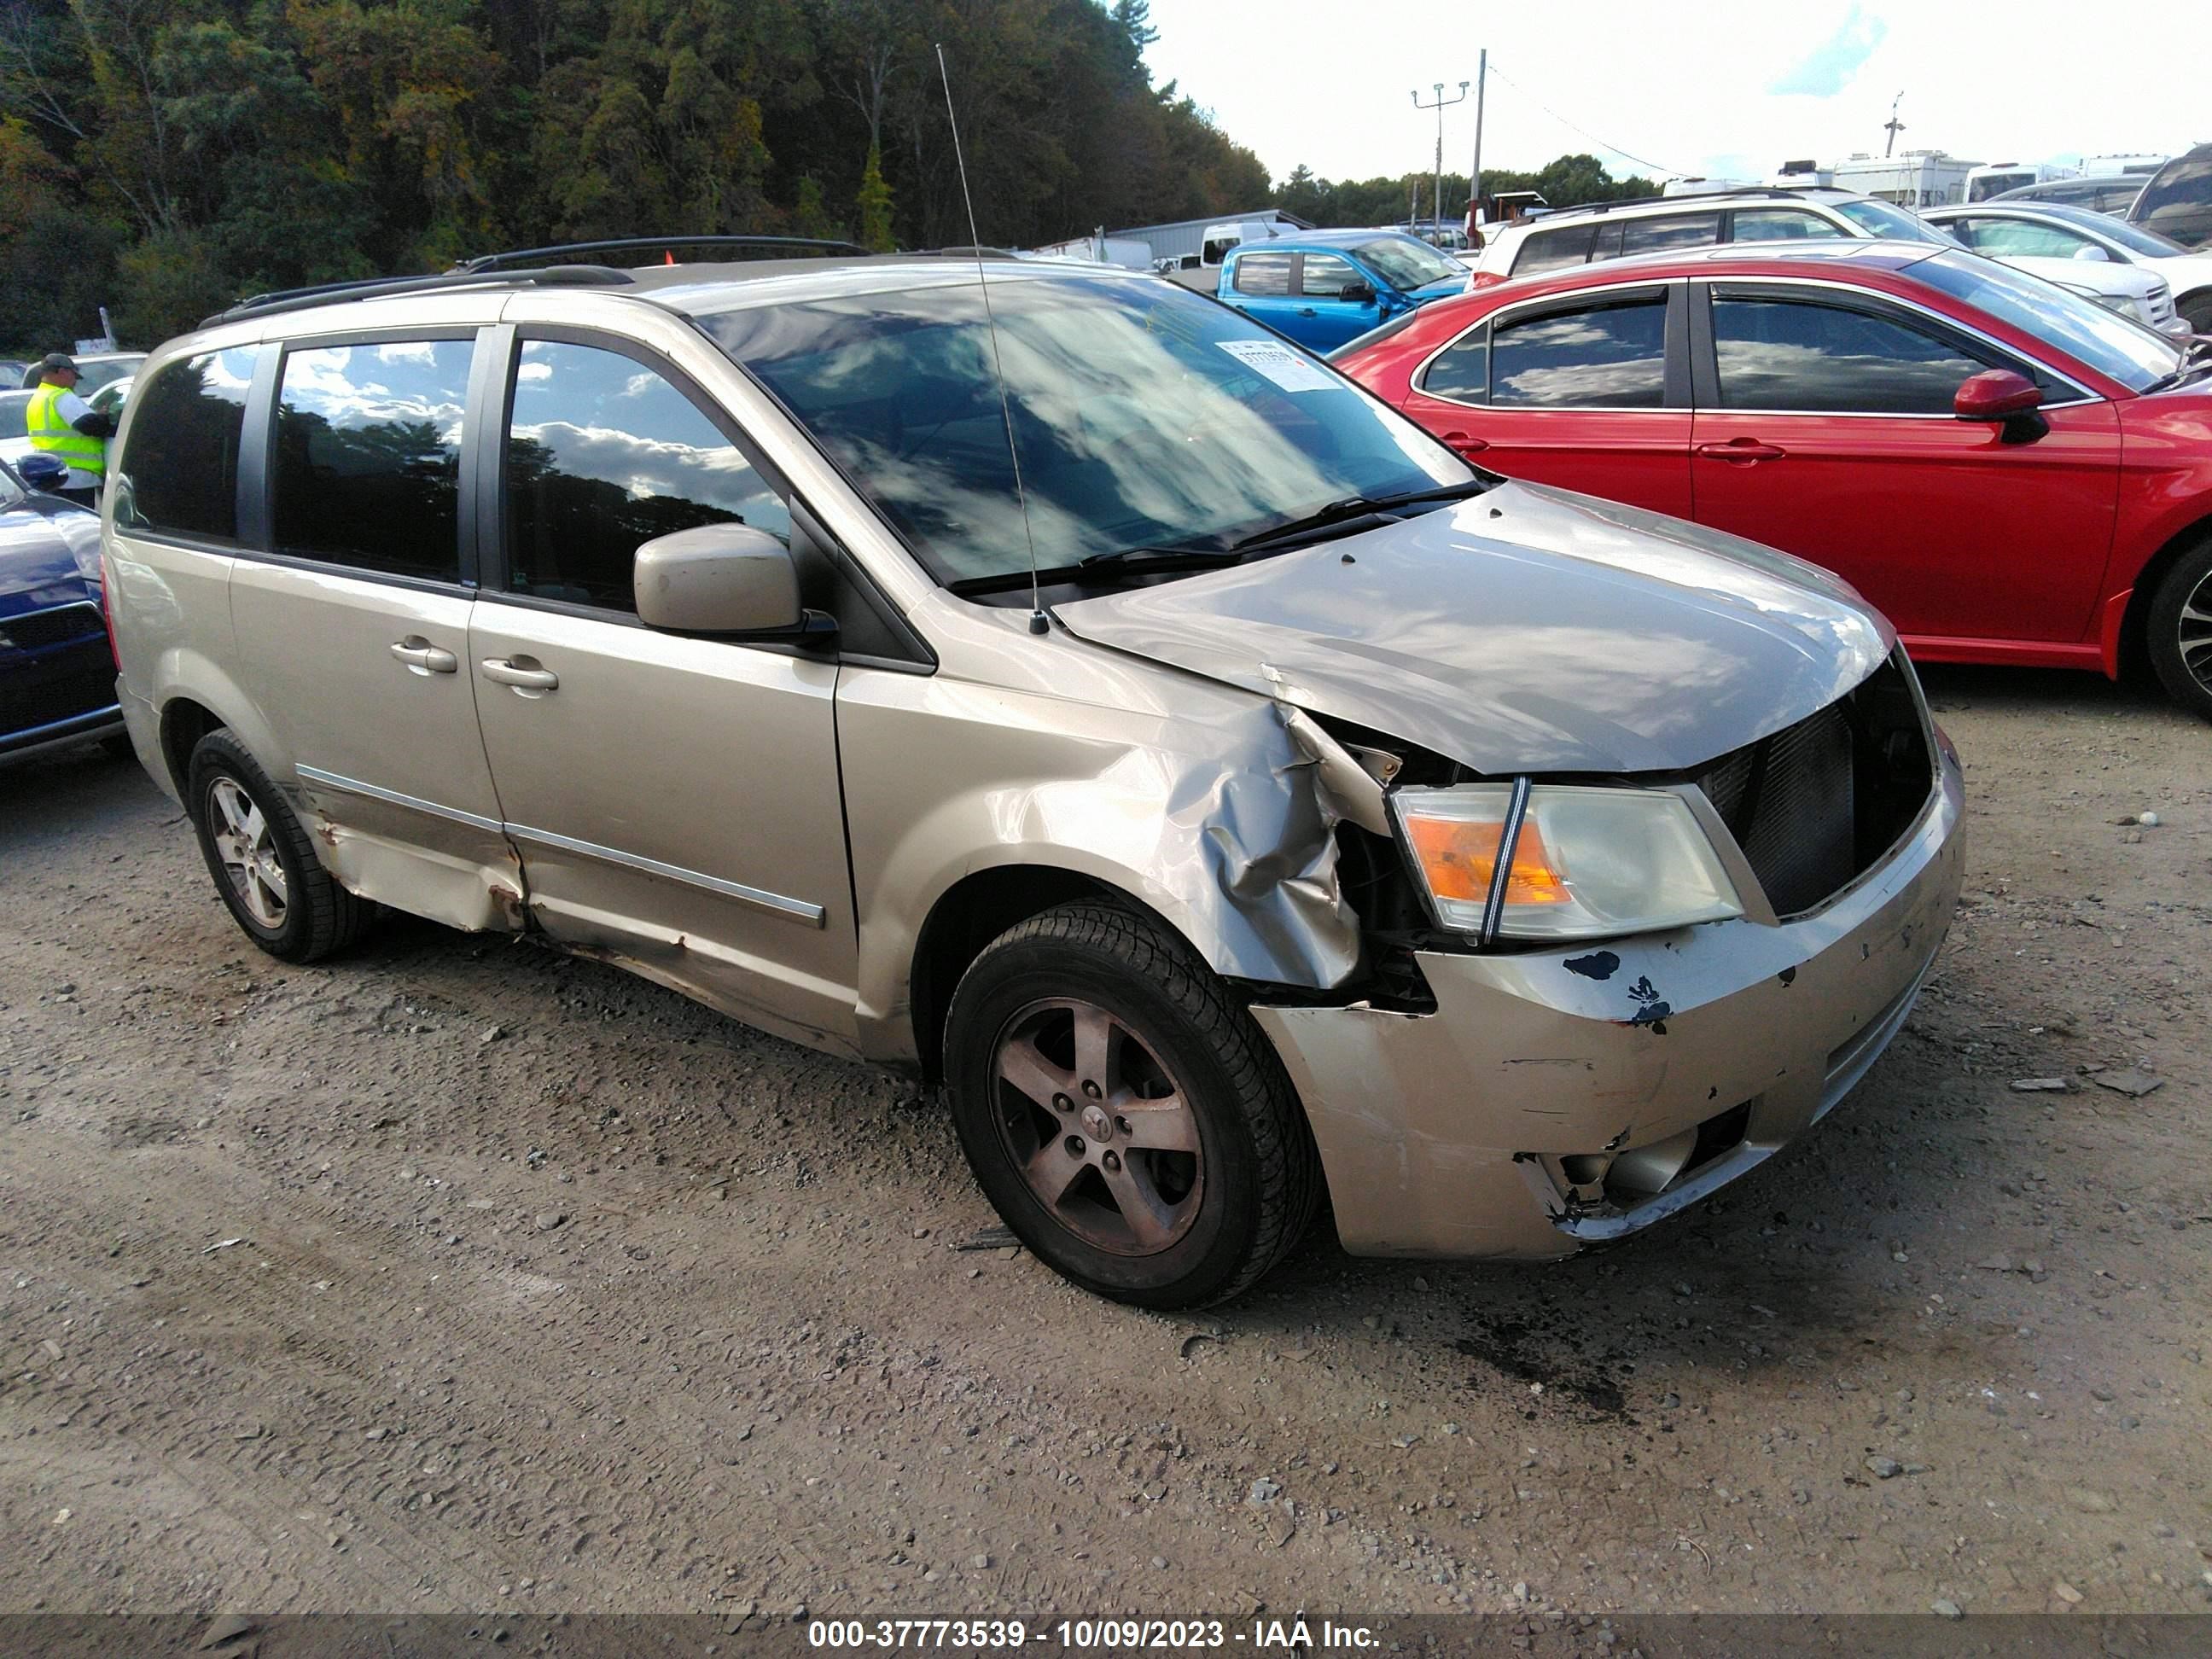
(1893, 126)
(1474, 173)
(1440, 104)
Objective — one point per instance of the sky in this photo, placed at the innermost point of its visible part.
(1721, 89)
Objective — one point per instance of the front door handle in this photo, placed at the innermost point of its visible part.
(1743, 449)
(523, 676)
(423, 657)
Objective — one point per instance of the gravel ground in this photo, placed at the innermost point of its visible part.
(460, 1275)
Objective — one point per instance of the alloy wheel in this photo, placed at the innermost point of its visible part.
(1098, 1127)
(2194, 631)
(248, 853)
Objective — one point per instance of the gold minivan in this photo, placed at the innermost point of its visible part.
(1044, 680)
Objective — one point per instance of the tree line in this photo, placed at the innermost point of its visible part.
(1570, 181)
(166, 157)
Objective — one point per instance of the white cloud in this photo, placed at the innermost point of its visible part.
(1685, 89)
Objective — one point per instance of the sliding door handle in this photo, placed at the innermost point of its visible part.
(422, 657)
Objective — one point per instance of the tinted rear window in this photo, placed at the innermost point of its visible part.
(181, 471)
(1263, 274)
(1612, 355)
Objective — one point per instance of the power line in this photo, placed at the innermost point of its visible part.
(1640, 161)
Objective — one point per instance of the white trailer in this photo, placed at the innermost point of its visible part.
(1918, 178)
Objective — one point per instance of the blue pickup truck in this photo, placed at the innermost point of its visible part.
(1324, 286)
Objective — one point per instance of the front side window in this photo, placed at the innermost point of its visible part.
(1266, 276)
(1552, 250)
(602, 454)
(368, 455)
(1804, 355)
(182, 467)
(1145, 416)
(1608, 356)
(1663, 231)
(1325, 276)
(1779, 225)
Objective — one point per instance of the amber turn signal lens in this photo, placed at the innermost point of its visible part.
(1460, 857)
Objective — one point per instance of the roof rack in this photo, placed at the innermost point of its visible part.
(378, 288)
(794, 247)
(1759, 192)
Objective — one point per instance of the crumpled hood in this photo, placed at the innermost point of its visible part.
(1527, 629)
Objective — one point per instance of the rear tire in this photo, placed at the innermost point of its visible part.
(2178, 630)
(1155, 1151)
(263, 863)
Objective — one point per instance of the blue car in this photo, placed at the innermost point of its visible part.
(1324, 286)
(57, 672)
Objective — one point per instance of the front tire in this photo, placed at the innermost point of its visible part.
(1123, 1113)
(263, 865)
(2196, 310)
(2178, 630)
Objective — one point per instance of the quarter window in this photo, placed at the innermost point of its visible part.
(1793, 355)
(1263, 274)
(1462, 369)
(1325, 276)
(181, 472)
(1608, 356)
(1552, 250)
(602, 454)
(1779, 225)
(1663, 231)
(368, 455)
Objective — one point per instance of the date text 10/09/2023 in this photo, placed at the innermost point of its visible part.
(982, 1635)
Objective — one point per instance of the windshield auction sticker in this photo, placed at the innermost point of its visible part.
(1279, 364)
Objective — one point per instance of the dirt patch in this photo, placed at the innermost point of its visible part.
(311, 1297)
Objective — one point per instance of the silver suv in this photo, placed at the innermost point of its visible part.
(1245, 799)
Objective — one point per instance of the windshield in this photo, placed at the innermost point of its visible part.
(1146, 416)
(1407, 265)
(2134, 238)
(1995, 183)
(2105, 340)
(91, 376)
(1885, 219)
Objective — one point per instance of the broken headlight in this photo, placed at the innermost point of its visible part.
(1586, 862)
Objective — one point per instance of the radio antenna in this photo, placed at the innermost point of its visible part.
(1039, 623)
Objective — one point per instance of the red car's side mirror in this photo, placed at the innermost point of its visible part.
(1999, 394)
(1996, 394)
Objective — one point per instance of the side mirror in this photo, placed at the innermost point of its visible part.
(1359, 294)
(717, 578)
(2092, 253)
(1999, 394)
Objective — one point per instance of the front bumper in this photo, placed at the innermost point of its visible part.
(1472, 1131)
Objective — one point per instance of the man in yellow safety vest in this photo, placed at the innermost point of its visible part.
(64, 426)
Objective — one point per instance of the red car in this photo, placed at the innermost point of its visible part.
(2014, 475)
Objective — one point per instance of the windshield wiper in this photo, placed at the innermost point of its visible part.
(1359, 507)
(1133, 560)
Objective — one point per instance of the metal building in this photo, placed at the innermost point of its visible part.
(1174, 242)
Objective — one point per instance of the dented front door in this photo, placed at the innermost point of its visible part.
(675, 800)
